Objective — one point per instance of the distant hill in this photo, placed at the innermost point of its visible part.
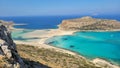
(8, 24)
(89, 23)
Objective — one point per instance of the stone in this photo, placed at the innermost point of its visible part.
(8, 48)
(6, 51)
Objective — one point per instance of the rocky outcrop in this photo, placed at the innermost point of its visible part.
(89, 23)
(8, 48)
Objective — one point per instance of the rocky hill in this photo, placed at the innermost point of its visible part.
(89, 23)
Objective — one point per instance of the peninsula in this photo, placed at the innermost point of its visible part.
(8, 24)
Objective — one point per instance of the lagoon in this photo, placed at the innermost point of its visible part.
(105, 45)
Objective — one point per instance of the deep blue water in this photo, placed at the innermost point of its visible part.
(104, 45)
(38, 22)
(48, 22)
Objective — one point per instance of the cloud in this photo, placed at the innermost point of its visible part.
(95, 14)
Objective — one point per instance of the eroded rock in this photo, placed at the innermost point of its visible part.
(8, 48)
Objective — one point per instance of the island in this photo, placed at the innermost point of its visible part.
(88, 23)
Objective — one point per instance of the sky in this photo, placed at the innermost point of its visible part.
(58, 7)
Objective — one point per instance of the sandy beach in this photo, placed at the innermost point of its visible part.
(43, 35)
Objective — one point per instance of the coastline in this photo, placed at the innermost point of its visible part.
(102, 30)
(40, 42)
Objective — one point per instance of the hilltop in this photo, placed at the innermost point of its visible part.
(8, 24)
(89, 23)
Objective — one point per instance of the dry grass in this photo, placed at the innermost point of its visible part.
(2, 61)
(51, 58)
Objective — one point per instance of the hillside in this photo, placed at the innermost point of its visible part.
(8, 24)
(89, 23)
(52, 58)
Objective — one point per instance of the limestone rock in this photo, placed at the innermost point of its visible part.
(6, 51)
(8, 48)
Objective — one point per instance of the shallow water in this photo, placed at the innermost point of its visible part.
(19, 34)
(104, 45)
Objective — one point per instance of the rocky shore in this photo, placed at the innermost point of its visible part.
(90, 24)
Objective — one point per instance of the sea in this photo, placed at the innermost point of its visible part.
(105, 45)
(48, 22)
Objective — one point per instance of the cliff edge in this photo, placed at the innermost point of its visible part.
(8, 48)
(89, 23)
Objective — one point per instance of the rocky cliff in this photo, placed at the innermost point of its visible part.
(89, 23)
(8, 48)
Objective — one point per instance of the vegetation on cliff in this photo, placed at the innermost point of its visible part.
(89, 23)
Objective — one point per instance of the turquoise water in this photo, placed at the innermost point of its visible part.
(105, 45)
(19, 34)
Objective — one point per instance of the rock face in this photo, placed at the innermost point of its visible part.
(8, 48)
(89, 23)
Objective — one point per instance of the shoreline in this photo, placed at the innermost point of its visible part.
(97, 30)
(40, 42)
